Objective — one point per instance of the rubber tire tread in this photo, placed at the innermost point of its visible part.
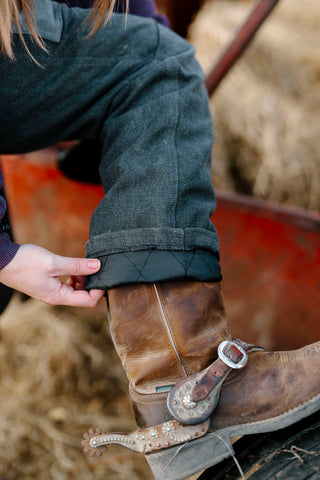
(289, 454)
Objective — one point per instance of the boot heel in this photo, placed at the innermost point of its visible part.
(178, 463)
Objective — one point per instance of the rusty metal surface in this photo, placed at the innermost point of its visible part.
(270, 255)
(47, 208)
(270, 259)
(241, 39)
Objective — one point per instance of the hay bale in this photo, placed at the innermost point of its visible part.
(266, 111)
(60, 376)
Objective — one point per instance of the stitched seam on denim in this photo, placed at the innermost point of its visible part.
(142, 247)
(174, 157)
(160, 248)
(145, 69)
(146, 261)
(207, 239)
(139, 272)
(158, 43)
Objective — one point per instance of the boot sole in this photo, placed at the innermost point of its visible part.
(178, 463)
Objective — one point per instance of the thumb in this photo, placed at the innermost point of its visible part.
(76, 266)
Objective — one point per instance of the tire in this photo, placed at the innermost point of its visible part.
(289, 454)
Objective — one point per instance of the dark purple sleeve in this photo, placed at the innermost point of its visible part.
(143, 8)
(147, 8)
(8, 249)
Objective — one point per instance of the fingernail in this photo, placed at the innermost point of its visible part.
(94, 264)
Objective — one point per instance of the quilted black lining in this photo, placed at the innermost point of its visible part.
(150, 266)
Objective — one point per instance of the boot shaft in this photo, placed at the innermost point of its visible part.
(162, 333)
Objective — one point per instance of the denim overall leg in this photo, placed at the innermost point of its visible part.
(138, 88)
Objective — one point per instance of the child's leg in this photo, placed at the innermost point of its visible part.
(136, 86)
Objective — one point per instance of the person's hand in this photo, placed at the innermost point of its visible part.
(36, 272)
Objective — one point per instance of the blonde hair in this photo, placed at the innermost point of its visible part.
(10, 11)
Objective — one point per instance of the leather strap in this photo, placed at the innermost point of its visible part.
(193, 399)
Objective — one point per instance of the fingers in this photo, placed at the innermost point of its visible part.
(37, 271)
(67, 295)
(96, 295)
(78, 282)
(75, 266)
(73, 293)
(81, 298)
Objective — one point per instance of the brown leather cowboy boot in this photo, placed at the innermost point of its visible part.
(192, 387)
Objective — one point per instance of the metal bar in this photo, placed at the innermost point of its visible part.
(258, 14)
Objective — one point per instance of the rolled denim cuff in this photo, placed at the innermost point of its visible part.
(155, 266)
(165, 238)
(147, 255)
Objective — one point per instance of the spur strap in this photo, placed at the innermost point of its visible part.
(193, 399)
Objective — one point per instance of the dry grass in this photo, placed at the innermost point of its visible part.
(59, 376)
(267, 110)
